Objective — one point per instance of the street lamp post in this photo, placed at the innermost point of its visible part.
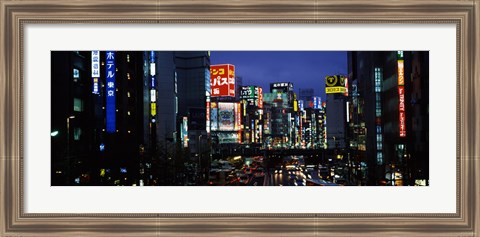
(68, 149)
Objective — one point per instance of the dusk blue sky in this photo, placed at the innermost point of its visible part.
(305, 69)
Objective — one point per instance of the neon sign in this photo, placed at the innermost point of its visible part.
(110, 91)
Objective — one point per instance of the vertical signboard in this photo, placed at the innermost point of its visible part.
(95, 71)
(401, 73)
(231, 80)
(95, 86)
(401, 109)
(110, 70)
(401, 95)
(207, 116)
(214, 117)
(184, 131)
(260, 98)
(222, 80)
(238, 118)
(346, 87)
(153, 90)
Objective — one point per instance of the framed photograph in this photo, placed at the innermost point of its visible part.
(263, 118)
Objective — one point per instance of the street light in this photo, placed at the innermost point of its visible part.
(68, 148)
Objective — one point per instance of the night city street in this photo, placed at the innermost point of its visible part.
(239, 118)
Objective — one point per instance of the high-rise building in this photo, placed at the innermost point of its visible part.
(336, 112)
(96, 106)
(306, 94)
(389, 121)
(193, 84)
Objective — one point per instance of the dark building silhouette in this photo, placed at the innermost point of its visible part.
(83, 152)
(389, 145)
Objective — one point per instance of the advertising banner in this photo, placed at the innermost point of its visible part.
(401, 73)
(226, 116)
(184, 132)
(401, 95)
(238, 118)
(346, 87)
(95, 71)
(95, 89)
(260, 98)
(247, 92)
(110, 91)
(95, 64)
(335, 84)
(283, 86)
(401, 109)
(222, 80)
(207, 117)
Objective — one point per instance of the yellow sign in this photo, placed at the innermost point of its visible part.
(401, 73)
(153, 108)
(337, 89)
(331, 80)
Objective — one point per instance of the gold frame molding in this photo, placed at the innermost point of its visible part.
(15, 14)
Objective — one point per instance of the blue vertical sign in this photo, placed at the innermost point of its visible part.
(110, 91)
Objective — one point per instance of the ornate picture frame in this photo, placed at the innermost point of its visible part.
(15, 14)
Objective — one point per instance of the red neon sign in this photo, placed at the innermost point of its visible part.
(222, 80)
(401, 109)
(260, 97)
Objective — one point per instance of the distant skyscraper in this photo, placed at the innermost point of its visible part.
(306, 94)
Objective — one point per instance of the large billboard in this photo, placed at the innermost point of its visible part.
(247, 92)
(281, 86)
(222, 80)
(110, 91)
(335, 84)
(226, 116)
(252, 94)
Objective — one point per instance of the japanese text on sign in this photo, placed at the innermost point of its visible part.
(95, 64)
(222, 80)
(401, 73)
(110, 91)
(401, 109)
